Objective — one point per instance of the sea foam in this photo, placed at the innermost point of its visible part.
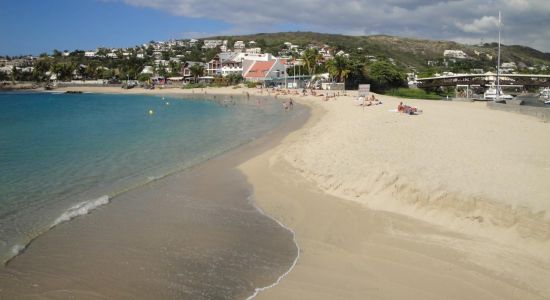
(80, 209)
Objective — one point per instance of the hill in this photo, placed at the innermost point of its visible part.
(410, 52)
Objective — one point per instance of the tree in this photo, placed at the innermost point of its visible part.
(311, 57)
(339, 68)
(234, 79)
(384, 75)
(40, 68)
(196, 71)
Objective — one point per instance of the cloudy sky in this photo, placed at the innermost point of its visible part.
(85, 24)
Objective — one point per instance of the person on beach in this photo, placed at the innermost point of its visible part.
(291, 103)
(400, 107)
(409, 110)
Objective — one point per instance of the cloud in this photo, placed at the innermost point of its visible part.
(482, 25)
(525, 22)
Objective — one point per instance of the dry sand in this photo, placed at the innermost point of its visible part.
(451, 204)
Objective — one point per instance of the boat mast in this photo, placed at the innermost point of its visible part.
(498, 61)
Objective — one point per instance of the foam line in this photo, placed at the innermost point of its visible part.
(82, 208)
(261, 289)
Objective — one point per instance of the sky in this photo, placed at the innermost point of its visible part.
(36, 26)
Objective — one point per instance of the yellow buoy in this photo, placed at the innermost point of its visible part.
(151, 112)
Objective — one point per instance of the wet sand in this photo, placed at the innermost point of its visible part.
(191, 235)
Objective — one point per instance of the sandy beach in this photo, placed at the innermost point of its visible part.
(451, 203)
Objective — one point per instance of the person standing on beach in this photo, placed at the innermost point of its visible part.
(285, 106)
(291, 103)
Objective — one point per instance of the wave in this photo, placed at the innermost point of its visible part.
(15, 250)
(82, 208)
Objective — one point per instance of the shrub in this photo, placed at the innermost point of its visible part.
(251, 84)
(413, 93)
(194, 86)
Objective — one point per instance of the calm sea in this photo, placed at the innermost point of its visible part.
(62, 155)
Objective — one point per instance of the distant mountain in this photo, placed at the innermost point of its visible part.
(407, 51)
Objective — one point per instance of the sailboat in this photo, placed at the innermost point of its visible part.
(494, 93)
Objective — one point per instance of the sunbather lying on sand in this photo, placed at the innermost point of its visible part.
(410, 110)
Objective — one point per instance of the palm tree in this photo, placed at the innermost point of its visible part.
(339, 67)
(196, 71)
(311, 57)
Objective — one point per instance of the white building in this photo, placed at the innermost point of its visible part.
(239, 46)
(90, 54)
(211, 44)
(256, 50)
(455, 54)
(148, 70)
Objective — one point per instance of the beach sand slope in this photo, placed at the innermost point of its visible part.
(447, 204)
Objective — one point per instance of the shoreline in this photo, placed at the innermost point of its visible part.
(67, 233)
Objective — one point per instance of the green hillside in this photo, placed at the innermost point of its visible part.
(408, 52)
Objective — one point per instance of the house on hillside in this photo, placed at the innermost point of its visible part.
(256, 50)
(455, 54)
(148, 70)
(508, 67)
(239, 46)
(211, 44)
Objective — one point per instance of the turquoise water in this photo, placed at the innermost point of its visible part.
(61, 155)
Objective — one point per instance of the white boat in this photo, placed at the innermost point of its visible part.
(491, 94)
(494, 93)
(545, 94)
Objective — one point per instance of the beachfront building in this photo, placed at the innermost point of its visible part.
(214, 66)
(226, 63)
(272, 70)
(186, 69)
(90, 54)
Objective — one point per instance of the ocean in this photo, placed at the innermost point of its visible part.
(63, 155)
